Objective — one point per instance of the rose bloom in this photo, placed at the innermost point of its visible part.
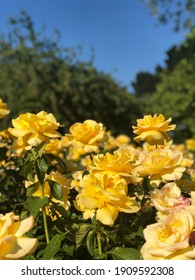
(3, 109)
(168, 198)
(122, 139)
(190, 144)
(104, 196)
(169, 239)
(58, 178)
(13, 242)
(30, 129)
(188, 158)
(54, 147)
(160, 165)
(88, 135)
(117, 162)
(153, 129)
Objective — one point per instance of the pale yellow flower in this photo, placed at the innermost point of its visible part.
(87, 135)
(168, 198)
(3, 109)
(160, 166)
(169, 239)
(32, 129)
(104, 196)
(153, 129)
(13, 242)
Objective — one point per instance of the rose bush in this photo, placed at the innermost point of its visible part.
(86, 194)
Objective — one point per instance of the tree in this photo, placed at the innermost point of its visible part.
(181, 12)
(175, 92)
(36, 74)
(145, 83)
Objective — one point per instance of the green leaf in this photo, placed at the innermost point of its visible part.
(82, 233)
(90, 242)
(32, 188)
(56, 189)
(40, 172)
(60, 209)
(40, 149)
(33, 204)
(120, 253)
(28, 171)
(53, 246)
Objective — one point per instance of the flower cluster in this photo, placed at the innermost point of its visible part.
(93, 194)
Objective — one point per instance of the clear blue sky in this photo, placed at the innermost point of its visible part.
(123, 34)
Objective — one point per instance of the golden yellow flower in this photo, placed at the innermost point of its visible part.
(169, 239)
(58, 178)
(153, 129)
(13, 242)
(188, 158)
(3, 109)
(117, 162)
(87, 135)
(160, 166)
(110, 142)
(32, 129)
(104, 196)
(190, 144)
(122, 139)
(118, 141)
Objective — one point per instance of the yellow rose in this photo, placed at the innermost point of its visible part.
(30, 129)
(160, 165)
(3, 109)
(188, 158)
(190, 144)
(169, 239)
(153, 129)
(87, 135)
(104, 196)
(118, 163)
(13, 243)
(58, 178)
(122, 139)
(168, 198)
(54, 147)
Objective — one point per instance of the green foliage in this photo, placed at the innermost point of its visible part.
(180, 12)
(53, 246)
(44, 76)
(120, 253)
(174, 92)
(69, 235)
(145, 83)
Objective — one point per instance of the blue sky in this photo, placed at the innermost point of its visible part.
(122, 33)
